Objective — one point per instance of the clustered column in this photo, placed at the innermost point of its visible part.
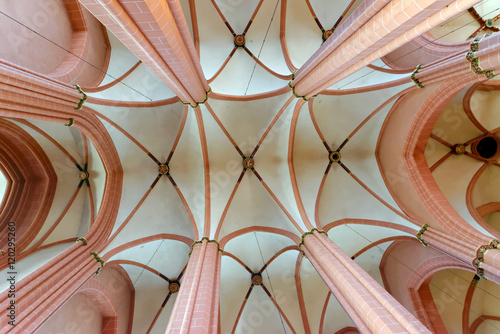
(385, 31)
(27, 95)
(370, 306)
(479, 254)
(196, 308)
(158, 34)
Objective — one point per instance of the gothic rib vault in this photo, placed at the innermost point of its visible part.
(143, 176)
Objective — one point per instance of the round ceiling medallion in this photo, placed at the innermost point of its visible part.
(256, 279)
(239, 40)
(163, 169)
(173, 287)
(335, 156)
(327, 34)
(489, 23)
(459, 149)
(83, 175)
(248, 163)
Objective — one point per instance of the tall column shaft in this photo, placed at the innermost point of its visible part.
(466, 250)
(386, 31)
(157, 33)
(377, 309)
(31, 82)
(26, 95)
(488, 51)
(354, 22)
(196, 309)
(476, 63)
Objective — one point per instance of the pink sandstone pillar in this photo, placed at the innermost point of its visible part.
(480, 255)
(157, 33)
(461, 64)
(27, 95)
(383, 33)
(196, 309)
(30, 82)
(360, 295)
(476, 63)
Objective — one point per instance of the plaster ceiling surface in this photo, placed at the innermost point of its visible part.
(252, 204)
(176, 203)
(450, 286)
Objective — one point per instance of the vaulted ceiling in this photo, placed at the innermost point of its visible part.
(250, 113)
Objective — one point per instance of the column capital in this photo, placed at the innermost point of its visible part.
(83, 240)
(480, 252)
(415, 80)
(303, 97)
(99, 260)
(303, 237)
(474, 61)
(420, 233)
(199, 242)
(80, 103)
(71, 122)
(197, 304)
(354, 288)
(197, 104)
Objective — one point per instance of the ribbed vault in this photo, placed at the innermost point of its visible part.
(149, 167)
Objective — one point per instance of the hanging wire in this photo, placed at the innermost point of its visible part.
(260, 250)
(380, 248)
(262, 46)
(269, 279)
(74, 55)
(386, 65)
(136, 280)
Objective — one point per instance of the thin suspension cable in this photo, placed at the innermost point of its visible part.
(386, 65)
(262, 46)
(268, 278)
(133, 284)
(71, 53)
